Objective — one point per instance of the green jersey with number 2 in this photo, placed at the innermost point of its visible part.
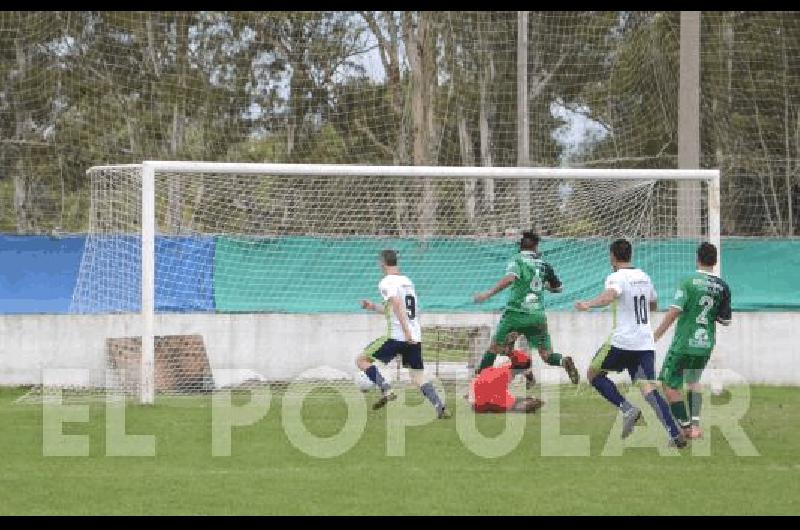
(703, 300)
(532, 275)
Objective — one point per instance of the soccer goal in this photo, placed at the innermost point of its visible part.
(264, 265)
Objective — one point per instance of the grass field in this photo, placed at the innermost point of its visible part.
(266, 474)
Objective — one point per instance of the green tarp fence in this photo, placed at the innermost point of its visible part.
(317, 275)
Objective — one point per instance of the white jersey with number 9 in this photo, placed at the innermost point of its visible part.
(403, 288)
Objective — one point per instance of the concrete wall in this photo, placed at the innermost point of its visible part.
(761, 347)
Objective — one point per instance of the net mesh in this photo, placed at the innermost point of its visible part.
(435, 88)
(262, 243)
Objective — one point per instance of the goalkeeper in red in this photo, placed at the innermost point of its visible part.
(489, 389)
(701, 300)
(529, 276)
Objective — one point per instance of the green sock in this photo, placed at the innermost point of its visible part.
(695, 400)
(487, 360)
(554, 359)
(678, 409)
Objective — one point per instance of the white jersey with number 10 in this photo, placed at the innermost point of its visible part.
(401, 287)
(632, 329)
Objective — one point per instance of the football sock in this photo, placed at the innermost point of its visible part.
(662, 412)
(429, 392)
(695, 403)
(678, 409)
(487, 360)
(376, 377)
(609, 390)
(554, 359)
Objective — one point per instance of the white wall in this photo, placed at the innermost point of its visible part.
(761, 347)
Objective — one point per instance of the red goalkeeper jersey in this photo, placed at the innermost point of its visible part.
(490, 389)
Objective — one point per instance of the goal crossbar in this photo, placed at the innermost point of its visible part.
(344, 170)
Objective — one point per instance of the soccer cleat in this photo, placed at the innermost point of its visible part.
(572, 372)
(694, 432)
(679, 442)
(443, 414)
(629, 419)
(386, 398)
(538, 403)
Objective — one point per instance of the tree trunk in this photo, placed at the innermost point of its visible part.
(21, 199)
(175, 186)
(468, 160)
(485, 118)
(418, 38)
(22, 202)
(787, 149)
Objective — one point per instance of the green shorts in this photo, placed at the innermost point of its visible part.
(679, 368)
(532, 325)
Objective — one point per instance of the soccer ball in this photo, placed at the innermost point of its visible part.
(363, 382)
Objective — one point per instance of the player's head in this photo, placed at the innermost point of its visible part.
(621, 252)
(388, 258)
(706, 255)
(529, 241)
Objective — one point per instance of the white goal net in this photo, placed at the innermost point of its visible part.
(250, 273)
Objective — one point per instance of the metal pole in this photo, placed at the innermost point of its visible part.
(689, 193)
(147, 383)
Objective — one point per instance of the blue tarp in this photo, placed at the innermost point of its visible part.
(38, 273)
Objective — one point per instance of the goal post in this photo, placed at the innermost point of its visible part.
(269, 222)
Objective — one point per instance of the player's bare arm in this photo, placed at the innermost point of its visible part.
(400, 312)
(371, 306)
(672, 315)
(504, 282)
(605, 298)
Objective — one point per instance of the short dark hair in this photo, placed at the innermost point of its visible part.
(622, 250)
(707, 254)
(529, 241)
(389, 257)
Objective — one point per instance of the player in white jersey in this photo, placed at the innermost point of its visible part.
(630, 346)
(401, 306)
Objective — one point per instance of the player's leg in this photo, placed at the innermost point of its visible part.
(497, 345)
(370, 366)
(608, 359)
(539, 337)
(641, 367)
(671, 376)
(412, 358)
(694, 396)
(387, 351)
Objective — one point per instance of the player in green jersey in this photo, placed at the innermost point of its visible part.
(701, 300)
(529, 276)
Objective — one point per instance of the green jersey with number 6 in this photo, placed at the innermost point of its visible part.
(703, 300)
(532, 275)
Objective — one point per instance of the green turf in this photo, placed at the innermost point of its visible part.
(437, 475)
